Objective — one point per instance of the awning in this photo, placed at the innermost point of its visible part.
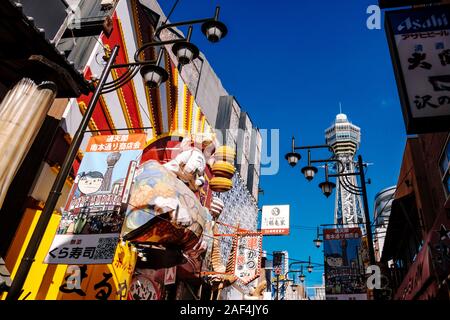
(25, 52)
(402, 218)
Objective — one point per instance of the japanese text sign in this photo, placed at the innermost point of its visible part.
(275, 220)
(94, 213)
(419, 41)
(248, 250)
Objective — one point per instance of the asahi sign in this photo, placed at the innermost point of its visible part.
(419, 40)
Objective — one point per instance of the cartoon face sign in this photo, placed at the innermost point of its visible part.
(90, 182)
(335, 261)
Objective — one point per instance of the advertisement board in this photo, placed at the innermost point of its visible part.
(248, 251)
(419, 41)
(275, 220)
(94, 213)
(344, 270)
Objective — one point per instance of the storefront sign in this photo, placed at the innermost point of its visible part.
(419, 41)
(93, 216)
(344, 268)
(248, 250)
(275, 220)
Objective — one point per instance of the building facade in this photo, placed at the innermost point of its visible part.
(186, 106)
(416, 248)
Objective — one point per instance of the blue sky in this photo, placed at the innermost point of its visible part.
(290, 63)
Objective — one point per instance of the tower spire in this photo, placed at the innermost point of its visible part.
(340, 107)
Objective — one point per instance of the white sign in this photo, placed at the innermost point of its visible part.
(420, 43)
(247, 260)
(275, 220)
(170, 275)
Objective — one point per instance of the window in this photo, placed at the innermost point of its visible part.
(445, 167)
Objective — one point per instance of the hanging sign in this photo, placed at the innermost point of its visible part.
(344, 268)
(275, 220)
(94, 213)
(419, 41)
(247, 259)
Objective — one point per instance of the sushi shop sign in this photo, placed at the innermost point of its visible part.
(419, 41)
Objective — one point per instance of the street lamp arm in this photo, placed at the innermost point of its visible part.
(341, 167)
(322, 146)
(153, 44)
(349, 188)
(350, 184)
(345, 174)
(303, 262)
(120, 81)
(179, 24)
(184, 23)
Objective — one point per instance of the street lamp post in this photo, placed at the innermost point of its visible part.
(153, 76)
(327, 186)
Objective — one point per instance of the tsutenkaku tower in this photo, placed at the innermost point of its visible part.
(345, 138)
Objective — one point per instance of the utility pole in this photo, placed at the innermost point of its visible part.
(278, 286)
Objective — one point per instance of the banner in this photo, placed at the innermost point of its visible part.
(247, 259)
(94, 213)
(275, 220)
(344, 267)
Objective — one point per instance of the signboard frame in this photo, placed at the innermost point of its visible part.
(276, 229)
(236, 243)
(413, 124)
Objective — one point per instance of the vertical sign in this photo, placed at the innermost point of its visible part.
(275, 220)
(247, 260)
(344, 272)
(94, 213)
(419, 40)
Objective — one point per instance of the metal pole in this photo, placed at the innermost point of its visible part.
(33, 245)
(278, 285)
(366, 212)
(367, 216)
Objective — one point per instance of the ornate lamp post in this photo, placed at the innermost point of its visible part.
(328, 186)
(153, 76)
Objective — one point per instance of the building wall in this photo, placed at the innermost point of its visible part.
(426, 275)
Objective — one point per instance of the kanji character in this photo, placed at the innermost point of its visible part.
(422, 102)
(444, 56)
(418, 59)
(76, 252)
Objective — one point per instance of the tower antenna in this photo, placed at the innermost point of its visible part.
(340, 107)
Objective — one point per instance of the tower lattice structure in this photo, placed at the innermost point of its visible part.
(345, 139)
